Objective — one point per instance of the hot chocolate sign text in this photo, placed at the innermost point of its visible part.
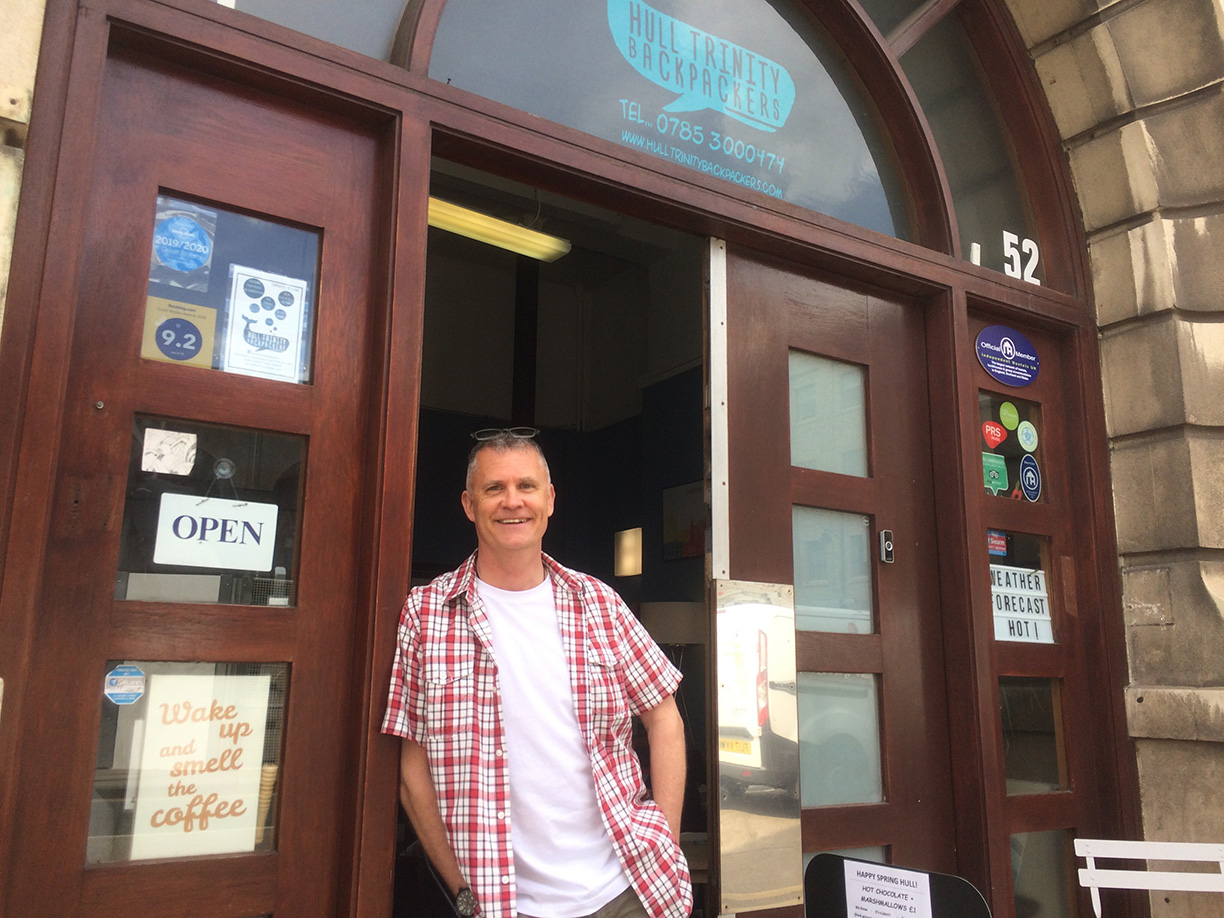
(200, 765)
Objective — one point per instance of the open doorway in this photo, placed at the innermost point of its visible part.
(602, 351)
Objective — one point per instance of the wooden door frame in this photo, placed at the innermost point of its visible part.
(424, 118)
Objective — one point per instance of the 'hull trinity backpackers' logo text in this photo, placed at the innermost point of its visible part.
(708, 71)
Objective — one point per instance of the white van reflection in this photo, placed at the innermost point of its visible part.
(757, 735)
(812, 736)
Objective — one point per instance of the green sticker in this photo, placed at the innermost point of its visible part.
(1008, 415)
(994, 471)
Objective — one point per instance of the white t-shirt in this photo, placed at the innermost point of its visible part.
(564, 862)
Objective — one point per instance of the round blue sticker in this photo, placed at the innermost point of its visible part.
(1007, 356)
(124, 684)
(1030, 478)
(178, 339)
(181, 244)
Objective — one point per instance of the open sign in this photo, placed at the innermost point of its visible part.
(215, 533)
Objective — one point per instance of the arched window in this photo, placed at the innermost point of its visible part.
(754, 94)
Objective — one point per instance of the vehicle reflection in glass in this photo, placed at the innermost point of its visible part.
(758, 747)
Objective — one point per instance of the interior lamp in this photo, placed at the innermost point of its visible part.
(627, 553)
(501, 233)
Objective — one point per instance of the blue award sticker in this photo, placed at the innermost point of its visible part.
(1030, 478)
(124, 684)
(180, 243)
(1007, 356)
(178, 339)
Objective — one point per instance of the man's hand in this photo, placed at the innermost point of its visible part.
(665, 736)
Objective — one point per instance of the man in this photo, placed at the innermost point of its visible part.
(514, 686)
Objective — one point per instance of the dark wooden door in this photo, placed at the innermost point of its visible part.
(201, 604)
(830, 457)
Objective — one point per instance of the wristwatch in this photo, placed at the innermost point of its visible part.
(465, 903)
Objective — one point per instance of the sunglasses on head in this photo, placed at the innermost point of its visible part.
(519, 433)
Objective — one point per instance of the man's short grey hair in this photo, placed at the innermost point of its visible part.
(504, 443)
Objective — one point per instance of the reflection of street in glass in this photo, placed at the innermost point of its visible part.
(760, 860)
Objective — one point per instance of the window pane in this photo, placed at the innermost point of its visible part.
(211, 514)
(1019, 587)
(1040, 871)
(230, 292)
(832, 571)
(1032, 735)
(828, 415)
(188, 759)
(367, 27)
(752, 93)
(1013, 462)
(839, 739)
(986, 192)
(888, 14)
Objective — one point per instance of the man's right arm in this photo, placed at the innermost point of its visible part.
(420, 802)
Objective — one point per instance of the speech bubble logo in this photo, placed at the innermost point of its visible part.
(993, 434)
(994, 472)
(708, 71)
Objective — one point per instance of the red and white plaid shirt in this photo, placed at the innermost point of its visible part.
(444, 696)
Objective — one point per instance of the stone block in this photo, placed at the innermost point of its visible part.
(1198, 247)
(1153, 495)
(1115, 176)
(1167, 49)
(1141, 376)
(1040, 20)
(11, 162)
(1187, 147)
(1175, 783)
(1162, 374)
(1134, 272)
(1176, 712)
(1084, 82)
(1175, 627)
(1148, 53)
(21, 25)
(1200, 351)
(1169, 493)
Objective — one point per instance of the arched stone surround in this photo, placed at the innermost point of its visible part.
(1137, 91)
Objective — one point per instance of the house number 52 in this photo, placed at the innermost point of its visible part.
(1020, 257)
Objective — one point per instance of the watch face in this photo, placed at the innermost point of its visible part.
(465, 903)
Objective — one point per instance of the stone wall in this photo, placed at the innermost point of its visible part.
(21, 30)
(1137, 90)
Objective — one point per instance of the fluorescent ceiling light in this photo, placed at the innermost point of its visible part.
(501, 233)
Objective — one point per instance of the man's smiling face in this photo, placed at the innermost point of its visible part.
(510, 500)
